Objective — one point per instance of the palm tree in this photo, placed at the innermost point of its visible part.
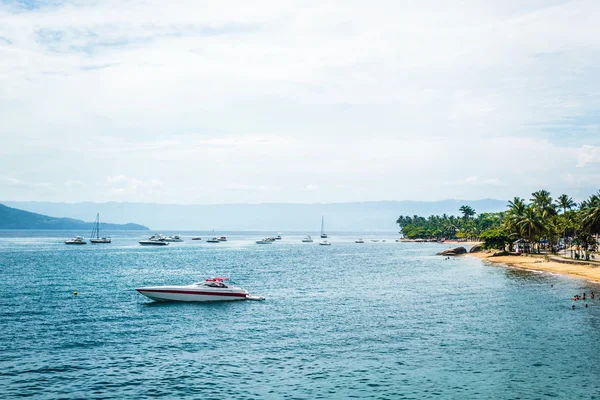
(565, 202)
(530, 225)
(590, 210)
(543, 203)
(516, 210)
(467, 212)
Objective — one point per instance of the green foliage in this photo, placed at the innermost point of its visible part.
(540, 220)
(449, 227)
(497, 238)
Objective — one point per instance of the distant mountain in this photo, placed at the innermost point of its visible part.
(12, 218)
(274, 217)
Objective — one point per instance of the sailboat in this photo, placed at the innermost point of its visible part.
(323, 234)
(95, 236)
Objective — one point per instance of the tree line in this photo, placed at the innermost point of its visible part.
(541, 222)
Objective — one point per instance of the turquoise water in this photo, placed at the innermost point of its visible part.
(375, 320)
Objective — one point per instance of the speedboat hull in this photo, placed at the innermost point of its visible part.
(152, 243)
(192, 293)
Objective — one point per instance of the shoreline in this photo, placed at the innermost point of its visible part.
(536, 263)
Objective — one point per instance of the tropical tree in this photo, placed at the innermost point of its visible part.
(467, 212)
(530, 225)
(497, 238)
(565, 202)
(590, 210)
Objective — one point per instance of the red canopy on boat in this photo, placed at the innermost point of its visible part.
(217, 279)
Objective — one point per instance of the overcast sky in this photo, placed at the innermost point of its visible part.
(298, 101)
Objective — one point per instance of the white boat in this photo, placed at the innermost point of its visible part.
(307, 239)
(278, 237)
(359, 241)
(265, 241)
(76, 240)
(222, 238)
(213, 240)
(214, 289)
(95, 236)
(154, 240)
(324, 243)
(173, 238)
(374, 240)
(323, 234)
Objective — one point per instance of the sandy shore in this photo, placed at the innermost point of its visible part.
(538, 263)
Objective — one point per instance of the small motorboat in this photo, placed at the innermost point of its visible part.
(154, 240)
(374, 240)
(222, 238)
(325, 243)
(307, 239)
(359, 241)
(196, 238)
(76, 240)
(173, 238)
(265, 241)
(214, 289)
(213, 240)
(278, 237)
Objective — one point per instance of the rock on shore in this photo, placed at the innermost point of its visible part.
(454, 251)
(475, 248)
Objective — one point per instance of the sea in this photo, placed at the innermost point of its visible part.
(379, 320)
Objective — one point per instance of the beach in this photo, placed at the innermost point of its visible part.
(539, 263)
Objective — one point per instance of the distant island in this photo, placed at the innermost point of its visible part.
(13, 218)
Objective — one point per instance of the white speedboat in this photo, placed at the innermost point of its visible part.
(374, 240)
(325, 243)
(76, 240)
(359, 241)
(278, 237)
(307, 239)
(173, 238)
(212, 240)
(154, 240)
(214, 289)
(265, 241)
(222, 238)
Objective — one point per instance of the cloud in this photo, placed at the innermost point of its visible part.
(198, 96)
(588, 154)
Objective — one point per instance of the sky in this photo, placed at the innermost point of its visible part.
(204, 102)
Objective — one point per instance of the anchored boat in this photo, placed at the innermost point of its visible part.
(95, 236)
(214, 289)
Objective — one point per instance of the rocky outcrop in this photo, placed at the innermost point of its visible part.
(475, 249)
(454, 251)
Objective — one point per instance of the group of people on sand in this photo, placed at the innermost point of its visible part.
(578, 297)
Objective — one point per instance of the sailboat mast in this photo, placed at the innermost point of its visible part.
(97, 225)
(322, 223)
